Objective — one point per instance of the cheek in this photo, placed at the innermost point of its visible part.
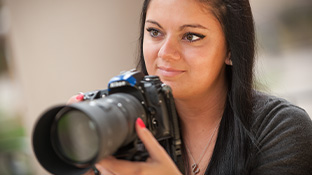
(209, 56)
(198, 58)
(205, 64)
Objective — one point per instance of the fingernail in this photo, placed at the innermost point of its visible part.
(140, 122)
(80, 97)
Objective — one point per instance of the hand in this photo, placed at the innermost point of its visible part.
(158, 163)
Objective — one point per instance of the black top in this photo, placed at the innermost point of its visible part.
(284, 135)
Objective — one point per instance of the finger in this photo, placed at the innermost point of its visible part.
(103, 171)
(149, 159)
(155, 150)
(122, 167)
(75, 99)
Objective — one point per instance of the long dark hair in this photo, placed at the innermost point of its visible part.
(234, 144)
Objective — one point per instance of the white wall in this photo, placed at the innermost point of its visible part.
(61, 47)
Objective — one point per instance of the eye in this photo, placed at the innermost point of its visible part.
(192, 37)
(153, 32)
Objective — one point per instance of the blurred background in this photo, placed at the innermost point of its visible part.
(51, 50)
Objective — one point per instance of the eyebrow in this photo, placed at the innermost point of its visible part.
(154, 22)
(193, 26)
(181, 28)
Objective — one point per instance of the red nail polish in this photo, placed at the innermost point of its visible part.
(80, 97)
(140, 122)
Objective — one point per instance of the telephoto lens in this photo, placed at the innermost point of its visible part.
(70, 139)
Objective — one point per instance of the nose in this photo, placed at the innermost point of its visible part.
(170, 49)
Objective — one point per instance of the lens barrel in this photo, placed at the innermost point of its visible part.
(70, 139)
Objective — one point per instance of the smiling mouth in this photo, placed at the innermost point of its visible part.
(169, 72)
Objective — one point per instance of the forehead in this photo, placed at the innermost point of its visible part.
(179, 10)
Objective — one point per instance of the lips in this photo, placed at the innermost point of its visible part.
(169, 72)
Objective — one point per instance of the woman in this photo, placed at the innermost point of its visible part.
(204, 49)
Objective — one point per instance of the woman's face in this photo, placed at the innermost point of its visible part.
(185, 46)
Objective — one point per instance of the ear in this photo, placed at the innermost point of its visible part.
(228, 60)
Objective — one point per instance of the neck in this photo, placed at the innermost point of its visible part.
(200, 117)
(201, 114)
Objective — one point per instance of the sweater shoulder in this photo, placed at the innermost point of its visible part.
(283, 135)
(268, 108)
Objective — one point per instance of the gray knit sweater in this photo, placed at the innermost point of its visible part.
(284, 134)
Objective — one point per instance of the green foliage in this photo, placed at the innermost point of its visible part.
(3, 62)
(14, 149)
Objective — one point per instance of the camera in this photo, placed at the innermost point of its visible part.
(70, 139)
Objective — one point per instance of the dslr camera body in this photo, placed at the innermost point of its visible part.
(70, 139)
